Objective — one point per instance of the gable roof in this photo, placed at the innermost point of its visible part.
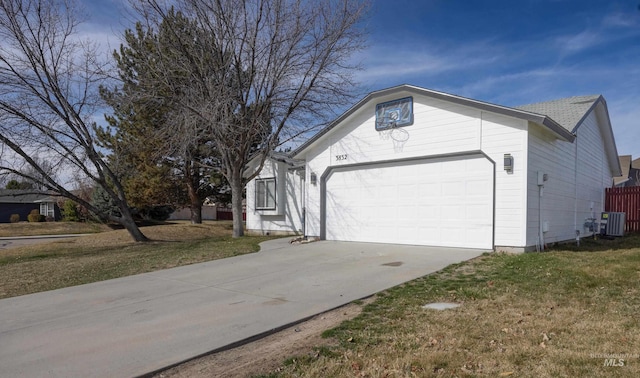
(625, 165)
(525, 114)
(562, 117)
(568, 112)
(24, 196)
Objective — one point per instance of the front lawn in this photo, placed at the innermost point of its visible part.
(50, 228)
(570, 312)
(112, 254)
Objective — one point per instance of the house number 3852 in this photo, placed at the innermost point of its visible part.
(341, 157)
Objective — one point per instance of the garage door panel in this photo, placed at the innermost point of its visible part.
(445, 202)
(452, 188)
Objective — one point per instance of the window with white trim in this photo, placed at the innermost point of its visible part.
(266, 194)
(47, 209)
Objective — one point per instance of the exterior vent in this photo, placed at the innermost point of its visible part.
(612, 224)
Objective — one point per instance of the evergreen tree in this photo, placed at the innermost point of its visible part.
(15, 184)
(146, 136)
(105, 207)
(70, 211)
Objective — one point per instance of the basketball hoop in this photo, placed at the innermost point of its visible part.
(399, 137)
(391, 118)
(384, 126)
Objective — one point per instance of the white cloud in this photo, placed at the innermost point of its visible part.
(385, 62)
(573, 43)
(612, 27)
(621, 20)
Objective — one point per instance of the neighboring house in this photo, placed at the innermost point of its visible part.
(453, 172)
(630, 172)
(22, 202)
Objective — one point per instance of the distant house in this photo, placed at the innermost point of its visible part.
(410, 165)
(22, 202)
(630, 172)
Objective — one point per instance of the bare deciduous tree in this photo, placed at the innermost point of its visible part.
(48, 95)
(260, 72)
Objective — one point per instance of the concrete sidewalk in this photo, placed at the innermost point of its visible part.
(138, 324)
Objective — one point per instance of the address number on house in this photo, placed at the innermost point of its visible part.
(341, 157)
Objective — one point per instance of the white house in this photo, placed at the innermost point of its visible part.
(410, 165)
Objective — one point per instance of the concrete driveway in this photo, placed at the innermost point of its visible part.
(139, 324)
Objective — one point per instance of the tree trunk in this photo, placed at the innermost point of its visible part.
(236, 204)
(133, 229)
(196, 212)
(126, 219)
(195, 203)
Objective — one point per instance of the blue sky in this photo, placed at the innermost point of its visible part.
(504, 51)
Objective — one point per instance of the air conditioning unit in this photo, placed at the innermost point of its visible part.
(612, 224)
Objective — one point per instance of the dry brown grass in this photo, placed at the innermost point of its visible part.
(113, 254)
(534, 315)
(49, 228)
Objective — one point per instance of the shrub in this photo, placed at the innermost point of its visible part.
(104, 204)
(34, 216)
(15, 218)
(156, 213)
(70, 211)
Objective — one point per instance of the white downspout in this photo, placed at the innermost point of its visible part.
(540, 233)
(540, 223)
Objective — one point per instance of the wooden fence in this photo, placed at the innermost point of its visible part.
(225, 213)
(625, 200)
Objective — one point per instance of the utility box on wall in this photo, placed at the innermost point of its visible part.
(612, 224)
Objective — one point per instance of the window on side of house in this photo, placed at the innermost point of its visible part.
(47, 209)
(266, 194)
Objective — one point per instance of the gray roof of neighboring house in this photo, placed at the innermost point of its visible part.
(24, 196)
(625, 164)
(568, 112)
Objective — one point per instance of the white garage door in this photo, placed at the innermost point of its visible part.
(445, 202)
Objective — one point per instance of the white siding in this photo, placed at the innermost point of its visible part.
(593, 171)
(554, 157)
(577, 173)
(316, 164)
(505, 135)
(288, 214)
(439, 128)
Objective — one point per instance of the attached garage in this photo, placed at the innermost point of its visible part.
(409, 165)
(438, 201)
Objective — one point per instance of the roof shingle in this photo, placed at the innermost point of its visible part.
(568, 112)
